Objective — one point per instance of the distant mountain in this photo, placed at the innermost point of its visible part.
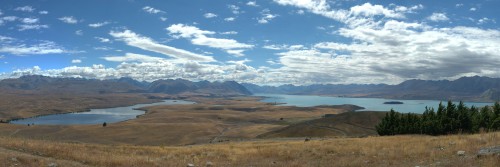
(43, 84)
(466, 88)
(67, 85)
(181, 86)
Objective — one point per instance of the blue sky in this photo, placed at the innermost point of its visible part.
(265, 42)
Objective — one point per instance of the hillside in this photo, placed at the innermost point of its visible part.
(348, 124)
(466, 88)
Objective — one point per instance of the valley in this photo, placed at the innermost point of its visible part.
(228, 129)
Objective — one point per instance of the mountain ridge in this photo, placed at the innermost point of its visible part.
(474, 88)
(44, 84)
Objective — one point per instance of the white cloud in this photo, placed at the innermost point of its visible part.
(10, 18)
(369, 10)
(237, 53)
(103, 40)
(68, 19)
(229, 33)
(43, 12)
(163, 18)
(152, 10)
(44, 47)
(99, 24)
(79, 32)
(229, 19)
(473, 9)
(76, 61)
(438, 17)
(459, 5)
(29, 20)
(142, 67)
(199, 37)
(103, 48)
(283, 47)
(485, 20)
(24, 27)
(132, 57)
(235, 9)
(4, 39)
(252, 3)
(266, 16)
(1, 13)
(136, 40)
(185, 31)
(209, 15)
(2, 56)
(25, 9)
(364, 14)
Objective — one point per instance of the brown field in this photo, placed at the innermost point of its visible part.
(211, 120)
(372, 151)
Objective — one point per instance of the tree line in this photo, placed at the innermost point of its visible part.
(449, 119)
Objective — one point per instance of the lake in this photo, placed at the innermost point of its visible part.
(370, 104)
(95, 116)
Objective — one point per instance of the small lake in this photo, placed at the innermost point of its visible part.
(370, 104)
(95, 116)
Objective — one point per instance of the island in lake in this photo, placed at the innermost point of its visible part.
(393, 102)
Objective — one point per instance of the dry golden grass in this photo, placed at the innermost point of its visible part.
(373, 151)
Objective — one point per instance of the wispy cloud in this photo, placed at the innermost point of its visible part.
(99, 24)
(228, 19)
(436, 17)
(132, 57)
(234, 9)
(25, 9)
(199, 37)
(136, 40)
(209, 15)
(76, 61)
(103, 40)
(29, 20)
(252, 3)
(266, 16)
(9, 18)
(79, 32)
(44, 47)
(68, 19)
(24, 27)
(152, 10)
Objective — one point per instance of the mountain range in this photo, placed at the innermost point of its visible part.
(466, 88)
(43, 84)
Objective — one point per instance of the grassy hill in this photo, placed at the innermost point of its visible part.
(372, 151)
(348, 124)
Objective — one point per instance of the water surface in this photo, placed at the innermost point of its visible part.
(95, 116)
(370, 104)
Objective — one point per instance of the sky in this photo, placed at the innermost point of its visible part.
(266, 42)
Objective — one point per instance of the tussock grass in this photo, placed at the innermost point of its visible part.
(411, 150)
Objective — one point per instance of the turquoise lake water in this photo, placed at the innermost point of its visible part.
(370, 104)
(95, 116)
